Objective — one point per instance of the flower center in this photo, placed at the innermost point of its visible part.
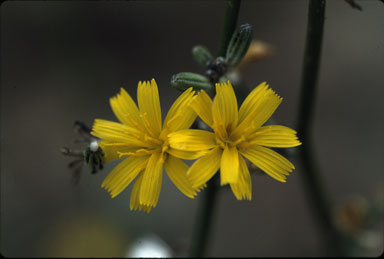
(228, 141)
(224, 141)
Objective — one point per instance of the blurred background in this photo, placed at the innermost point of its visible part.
(62, 61)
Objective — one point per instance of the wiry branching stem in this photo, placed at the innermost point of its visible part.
(310, 174)
(207, 204)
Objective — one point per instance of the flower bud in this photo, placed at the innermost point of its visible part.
(238, 45)
(184, 80)
(201, 55)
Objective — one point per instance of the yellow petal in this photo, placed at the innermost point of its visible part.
(177, 172)
(135, 194)
(274, 136)
(149, 104)
(269, 161)
(192, 140)
(253, 98)
(152, 179)
(204, 168)
(257, 108)
(123, 174)
(202, 104)
(224, 109)
(125, 109)
(181, 115)
(111, 152)
(242, 189)
(184, 154)
(229, 165)
(117, 132)
(200, 188)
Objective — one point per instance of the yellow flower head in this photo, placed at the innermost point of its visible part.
(236, 134)
(142, 140)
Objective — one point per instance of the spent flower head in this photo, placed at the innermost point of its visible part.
(236, 134)
(142, 140)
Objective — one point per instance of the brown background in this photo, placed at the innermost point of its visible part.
(62, 61)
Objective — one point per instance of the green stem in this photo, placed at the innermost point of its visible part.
(311, 179)
(204, 219)
(230, 20)
(206, 206)
(316, 10)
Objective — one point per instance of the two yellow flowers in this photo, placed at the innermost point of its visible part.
(148, 145)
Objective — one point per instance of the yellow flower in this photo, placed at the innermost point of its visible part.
(142, 140)
(236, 134)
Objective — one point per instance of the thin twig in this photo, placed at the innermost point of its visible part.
(310, 175)
(204, 220)
(230, 20)
(206, 207)
(354, 5)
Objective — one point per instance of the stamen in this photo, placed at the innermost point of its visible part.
(163, 157)
(220, 142)
(148, 138)
(139, 152)
(117, 144)
(221, 131)
(164, 148)
(135, 135)
(245, 144)
(176, 116)
(261, 132)
(239, 140)
(134, 123)
(147, 125)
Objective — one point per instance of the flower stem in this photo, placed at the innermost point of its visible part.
(230, 20)
(206, 206)
(204, 220)
(311, 179)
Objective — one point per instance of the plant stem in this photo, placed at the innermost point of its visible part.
(204, 220)
(230, 20)
(311, 179)
(316, 10)
(206, 206)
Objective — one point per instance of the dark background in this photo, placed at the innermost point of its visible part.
(62, 61)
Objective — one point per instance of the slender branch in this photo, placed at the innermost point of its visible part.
(354, 5)
(311, 176)
(207, 204)
(230, 20)
(204, 219)
(312, 53)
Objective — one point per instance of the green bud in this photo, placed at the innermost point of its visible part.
(238, 45)
(201, 55)
(184, 80)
